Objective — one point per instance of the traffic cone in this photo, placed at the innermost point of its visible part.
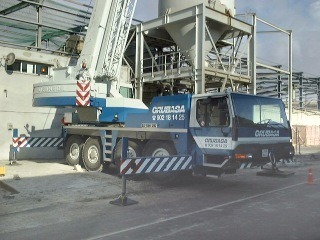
(310, 177)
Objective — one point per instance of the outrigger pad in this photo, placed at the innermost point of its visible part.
(275, 173)
(123, 201)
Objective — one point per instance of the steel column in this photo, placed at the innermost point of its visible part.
(139, 63)
(290, 87)
(300, 91)
(279, 87)
(199, 75)
(253, 56)
(39, 25)
(318, 93)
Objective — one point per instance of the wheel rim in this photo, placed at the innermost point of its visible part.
(74, 151)
(93, 154)
(131, 153)
(160, 152)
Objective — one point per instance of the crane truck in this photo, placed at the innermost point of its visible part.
(218, 131)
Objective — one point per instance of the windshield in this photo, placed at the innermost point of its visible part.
(253, 111)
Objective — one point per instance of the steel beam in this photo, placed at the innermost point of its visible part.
(14, 8)
(191, 12)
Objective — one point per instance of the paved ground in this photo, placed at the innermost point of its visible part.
(57, 202)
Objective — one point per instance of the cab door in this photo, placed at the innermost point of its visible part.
(210, 124)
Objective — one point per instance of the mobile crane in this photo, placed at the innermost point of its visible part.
(217, 131)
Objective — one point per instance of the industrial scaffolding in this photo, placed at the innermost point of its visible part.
(46, 26)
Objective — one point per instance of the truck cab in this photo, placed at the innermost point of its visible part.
(221, 131)
(231, 129)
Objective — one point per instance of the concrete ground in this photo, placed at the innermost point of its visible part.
(306, 151)
(32, 184)
(43, 182)
(40, 198)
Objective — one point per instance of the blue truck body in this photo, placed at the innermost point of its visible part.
(219, 131)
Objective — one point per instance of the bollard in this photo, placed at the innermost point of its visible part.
(15, 149)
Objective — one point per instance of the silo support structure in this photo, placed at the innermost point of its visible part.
(200, 58)
(139, 62)
(199, 32)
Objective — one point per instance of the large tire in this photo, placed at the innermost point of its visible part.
(159, 148)
(91, 155)
(73, 150)
(134, 150)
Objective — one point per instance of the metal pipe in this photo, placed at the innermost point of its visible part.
(273, 26)
(273, 68)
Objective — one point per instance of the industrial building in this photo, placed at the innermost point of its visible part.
(39, 35)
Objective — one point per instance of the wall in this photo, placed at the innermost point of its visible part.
(306, 128)
(16, 109)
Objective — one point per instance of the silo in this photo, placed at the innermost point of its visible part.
(183, 32)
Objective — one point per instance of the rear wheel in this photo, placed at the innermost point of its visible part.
(156, 148)
(91, 154)
(73, 150)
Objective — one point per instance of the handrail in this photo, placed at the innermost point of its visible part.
(179, 60)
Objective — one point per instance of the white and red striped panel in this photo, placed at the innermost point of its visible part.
(83, 93)
(32, 142)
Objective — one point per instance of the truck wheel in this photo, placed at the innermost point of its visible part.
(156, 148)
(73, 150)
(134, 150)
(91, 154)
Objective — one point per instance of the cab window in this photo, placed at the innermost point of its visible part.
(126, 92)
(213, 112)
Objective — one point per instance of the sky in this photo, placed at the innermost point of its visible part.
(300, 16)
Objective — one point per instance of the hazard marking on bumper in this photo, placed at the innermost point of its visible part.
(155, 165)
(32, 142)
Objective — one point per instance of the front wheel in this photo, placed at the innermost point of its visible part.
(91, 154)
(134, 150)
(156, 148)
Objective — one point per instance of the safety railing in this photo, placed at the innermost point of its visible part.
(176, 62)
(228, 63)
(166, 63)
